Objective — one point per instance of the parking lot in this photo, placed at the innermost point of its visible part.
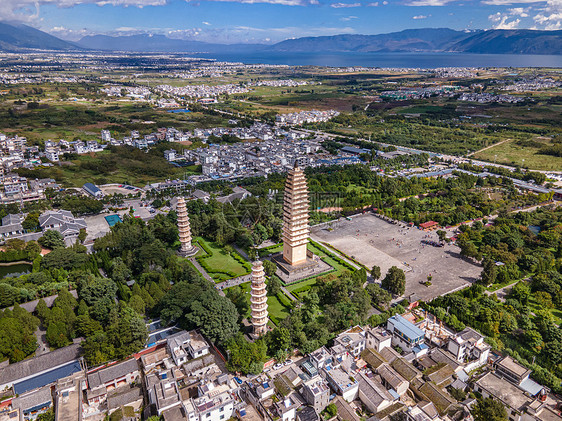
(109, 189)
(374, 241)
(98, 226)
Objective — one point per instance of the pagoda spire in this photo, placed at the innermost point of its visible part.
(258, 300)
(184, 229)
(295, 217)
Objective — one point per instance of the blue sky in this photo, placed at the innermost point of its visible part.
(269, 21)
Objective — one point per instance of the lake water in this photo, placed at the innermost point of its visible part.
(410, 60)
(14, 270)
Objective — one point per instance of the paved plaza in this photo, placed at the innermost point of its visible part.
(374, 241)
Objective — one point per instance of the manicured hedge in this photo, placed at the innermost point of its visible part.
(225, 273)
(13, 256)
(283, 299)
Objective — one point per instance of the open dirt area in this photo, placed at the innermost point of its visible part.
(109, 189)
(374, 241)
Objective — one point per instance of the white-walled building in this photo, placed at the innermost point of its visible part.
(469, 347)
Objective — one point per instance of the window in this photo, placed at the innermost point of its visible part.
(222, 417)
(222, 409)
(208, 414)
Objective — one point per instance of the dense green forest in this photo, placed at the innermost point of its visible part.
(521, 246)
(109, 314)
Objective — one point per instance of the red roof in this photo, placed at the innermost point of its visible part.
(428, 224)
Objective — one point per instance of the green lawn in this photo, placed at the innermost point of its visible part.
(219, 264)
(329, 258)
(513, 154)
(277, 311)
(556, 314)
(269, 250)
(301, 289)
(420, 109)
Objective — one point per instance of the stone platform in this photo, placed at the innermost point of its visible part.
(290, 274)
(190, 253)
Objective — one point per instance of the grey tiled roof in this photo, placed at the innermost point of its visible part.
(38, 364)
(32, 399)
(123, 396)
(112, 372)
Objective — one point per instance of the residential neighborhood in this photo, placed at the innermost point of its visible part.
(412, 366)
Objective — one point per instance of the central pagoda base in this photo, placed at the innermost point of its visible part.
(289, 274)
(189, 253)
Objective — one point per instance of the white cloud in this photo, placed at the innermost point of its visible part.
(500, 21)
(420, 17)
(547, 17)
(238, 34)
(519, 11)
(69, 34)
(348, 18)
(28, 10)
(428, 2)
(206, 23)
(375, 4)
(510, 2)
(550, 16)
(280, 2)
(344, 5)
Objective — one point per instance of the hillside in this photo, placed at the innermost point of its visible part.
(516, 41)
(19, 37)
(157, 43)
(410, 40)
(495, 41)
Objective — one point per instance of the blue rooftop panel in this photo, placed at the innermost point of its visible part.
(91, 187)
(407, 328)
(47, 378)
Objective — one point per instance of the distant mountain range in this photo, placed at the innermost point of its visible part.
(19, 37)
(494, 41)
(159, 43)
(409, 40)
(15, 37)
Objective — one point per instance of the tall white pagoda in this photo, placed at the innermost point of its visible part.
(295, 218)
(187, 249)
(258, 300)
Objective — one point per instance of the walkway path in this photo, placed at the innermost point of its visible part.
(235, 281)
(503, 291)
(41, 336)
(288, 293)
(488, 147)
(241, 252)
(205, 274)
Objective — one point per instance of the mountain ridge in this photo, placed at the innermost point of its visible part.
(16, 37)
(156, 43)
(492, 41)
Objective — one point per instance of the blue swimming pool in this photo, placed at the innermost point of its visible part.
(113, 219)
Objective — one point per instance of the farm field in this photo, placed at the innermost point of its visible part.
(511, 153)
(122, 166)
